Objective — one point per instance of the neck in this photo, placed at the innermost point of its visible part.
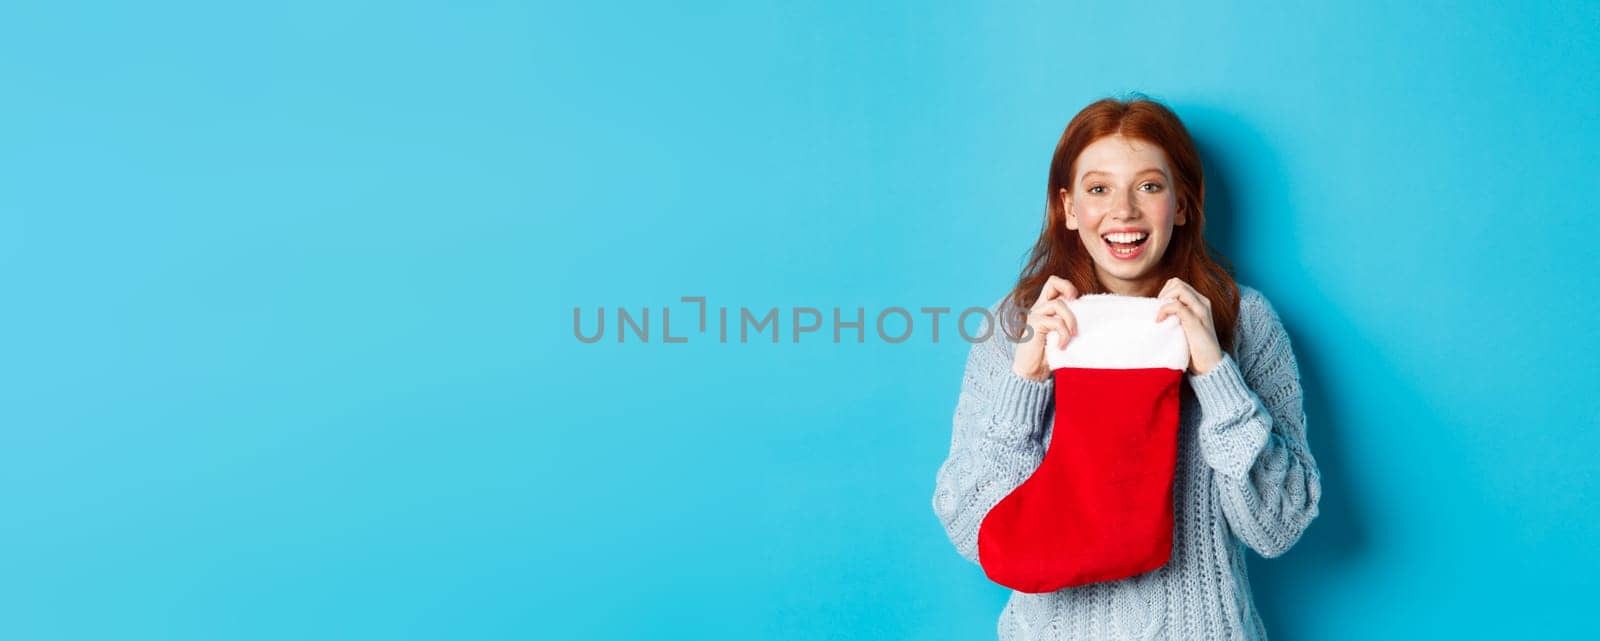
(1143, 288)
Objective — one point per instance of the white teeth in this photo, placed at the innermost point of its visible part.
(1125, 237)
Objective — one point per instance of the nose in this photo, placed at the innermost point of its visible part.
(1126, 208)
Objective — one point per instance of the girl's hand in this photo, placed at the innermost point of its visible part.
(1194, 313)
(1048, 314)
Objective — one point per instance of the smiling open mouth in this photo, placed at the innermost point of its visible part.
(1126, 244)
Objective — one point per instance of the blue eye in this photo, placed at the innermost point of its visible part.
(1092, 189)
(1156, 185)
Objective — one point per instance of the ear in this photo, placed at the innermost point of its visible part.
(1066, 206)
(1183, 216)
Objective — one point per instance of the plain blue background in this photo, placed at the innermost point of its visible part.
(288, 289)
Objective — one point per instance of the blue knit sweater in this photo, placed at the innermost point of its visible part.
(1245, 477)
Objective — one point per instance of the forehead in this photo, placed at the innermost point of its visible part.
(1121, 155)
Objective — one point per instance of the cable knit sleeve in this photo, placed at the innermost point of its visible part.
(996, 439)
(1253, 434)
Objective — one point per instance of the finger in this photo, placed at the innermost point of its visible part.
(1184, 314)
(1071, 321)
(1052, 325)
(1065, 313)
(1173, 285)
(1175, 290)
(1177, 286)
(1199, 299)
(1170, 290)
(1041, 318)
(1042, 332)
(1191, 301)
(1167, 287)
(1056, 287)
(1187, 316)
(1043, 322)
(1037, 326)
(1047, 293)
(1065, 287)
(1169, 309)
(1166, 296)
(1182, 295)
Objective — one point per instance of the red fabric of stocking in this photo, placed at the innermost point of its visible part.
(1099, 506)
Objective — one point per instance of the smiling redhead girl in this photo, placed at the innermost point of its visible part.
(1125, 215)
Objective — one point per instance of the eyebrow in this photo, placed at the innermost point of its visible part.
(1141, 172)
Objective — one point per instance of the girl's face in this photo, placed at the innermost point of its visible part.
(1123, 206)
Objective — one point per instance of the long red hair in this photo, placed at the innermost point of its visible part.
(1060, 252)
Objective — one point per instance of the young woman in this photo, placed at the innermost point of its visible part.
(1124, 214)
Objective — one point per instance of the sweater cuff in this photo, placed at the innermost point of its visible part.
(1020, 404)
(1229, 441)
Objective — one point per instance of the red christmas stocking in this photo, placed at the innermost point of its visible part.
(1099, 507)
